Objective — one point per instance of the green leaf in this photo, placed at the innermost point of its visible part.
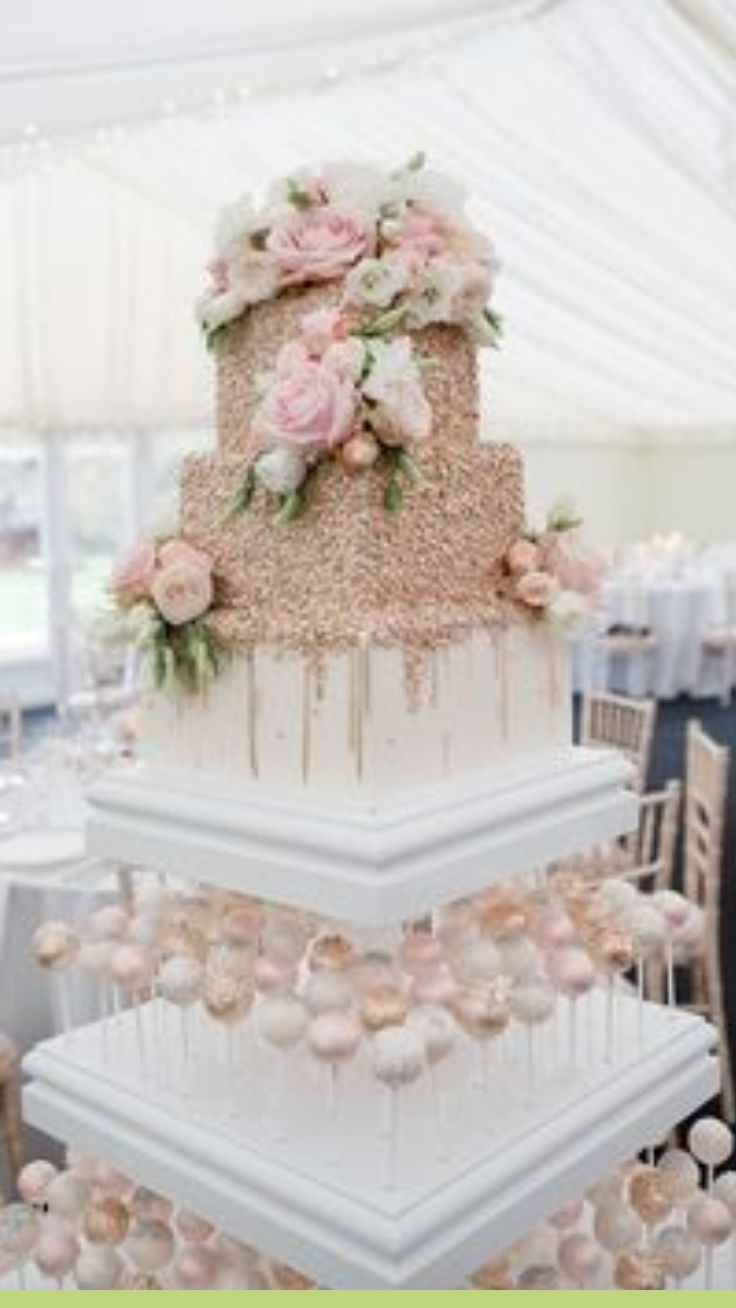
(297, 196)
(393, 496)
(216, 338)
(563, 517)
(417, 162)
(242, 496)
(406, 464)
(293, 505)
(384, 322)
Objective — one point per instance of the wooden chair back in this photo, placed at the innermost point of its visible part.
(617, 722)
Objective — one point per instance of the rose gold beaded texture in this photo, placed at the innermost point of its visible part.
(347, 572)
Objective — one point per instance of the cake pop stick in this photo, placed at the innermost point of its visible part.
(55, 948)
(282, 1022)
(572, 974)
(333, 1037)
(438, 1032)
(532, 1003)
(130, 970)
(180, 982)
(711, 1142)
(397, 1058)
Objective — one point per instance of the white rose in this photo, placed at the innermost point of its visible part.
(234, 222)
(434, 293)
(430, 188)
(281, 470)
(215, 311)
(376, 282)
(569, 614)
(255, 276)
(356, 186)
(394, 384)
(347, 358)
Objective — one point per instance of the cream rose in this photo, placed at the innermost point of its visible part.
(177, 550)
(376, 282)
(523, 556)
(182, 592)
(537, 589)
(394, 383)
(282, 469)
(313, 407)
(133, 573)
(319, 243)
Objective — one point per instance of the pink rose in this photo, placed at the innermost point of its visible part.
(318, 244)
(291, 357)
(575, 564)
(177, 550)
(182, 592)
(133, 573)
(423, 235)
(522, 557)
(322, 328)
(313, 406)
(537, 589)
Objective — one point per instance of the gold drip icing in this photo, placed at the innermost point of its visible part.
(366, 683)
(434, 688)
(306, 720)
(252, 712)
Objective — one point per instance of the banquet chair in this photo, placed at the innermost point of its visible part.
(719, 642)
(706, 780)
(650, 852)
(11, 731)
(616, 722)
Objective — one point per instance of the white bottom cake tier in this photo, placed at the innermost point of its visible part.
(364, 724)
(256, 1142)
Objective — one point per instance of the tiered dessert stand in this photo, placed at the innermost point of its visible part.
(314, 1188)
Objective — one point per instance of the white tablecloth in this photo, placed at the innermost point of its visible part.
(678, 611)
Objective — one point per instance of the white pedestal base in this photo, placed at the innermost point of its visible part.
(315, 1195)
(378, 865)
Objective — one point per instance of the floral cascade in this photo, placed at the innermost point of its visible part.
(555, 574)
(408, 255)
(162, 591)
(336, 395)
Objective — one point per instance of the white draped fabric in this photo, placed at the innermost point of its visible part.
(594, 140)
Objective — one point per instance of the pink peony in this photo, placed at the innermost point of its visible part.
(177, 550)
(574, 563)
(318, 244)
(320, 330)
(312, 406)
(133, 573)
(537, 589)
(182, 592)
(522, 557)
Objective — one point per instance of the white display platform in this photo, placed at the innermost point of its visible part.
(379, 866)
(313, 1191)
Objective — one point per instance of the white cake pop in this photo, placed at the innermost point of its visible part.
(710, 1141)
(110, 922)
(334, 1037)
(682, 1172)
(437, 1030)
(571, 971)
(648, 928)
(150, 1245)
(689, 936)
(152, 898)
(724, 1189)
(98, 1268)
(282, 1020)
(674, 908)
(131, 968)
(325, 990)
(397, 1055)
(180, 980)
(680, 1252)
(710, 1221)
(476, 963)
(619, 896)
(519, 957)
(532, 1001)
(617, 1227)
(580, 1258)
(34, 1180)
(67, 1195)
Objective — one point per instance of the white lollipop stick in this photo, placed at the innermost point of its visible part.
(670, 965)
(21, 1274)
(140, 1037)
(530, 1063)
(610, 1020)
(185, 1048)
(393, 1137)
(232, 1070)
(572, 1031)
(65, 1008)
(640, 999)
(708, 1266)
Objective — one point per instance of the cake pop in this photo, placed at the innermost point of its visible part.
(192, 1228)
(580, 1259)
(106, 1221)
(383, 1007)
(639, 1269)
(711, 1142)
(56, 1253)
(397, 1058)
(476, 963)
(617, 1228)
(196, 1267)
(682, 1173)
(150, 1245)
(679, 1252)
(33, 1181)
(651, 1195)
(325, 990)
(98, 1268)
(109, 923)
(67, 1195)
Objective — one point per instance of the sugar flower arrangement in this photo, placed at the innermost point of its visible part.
(555, 574)
(400, 242)
(335, 396)
(163, 590)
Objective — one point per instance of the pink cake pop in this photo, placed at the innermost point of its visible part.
(56, 1253)
(196, 1267)
(580, 1259)
(34, 1180)
(572, 973)
(109, 923)
(272, 975)
(191, 1228)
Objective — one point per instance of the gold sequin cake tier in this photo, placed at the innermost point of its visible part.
(347, 571)
(450, 376)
